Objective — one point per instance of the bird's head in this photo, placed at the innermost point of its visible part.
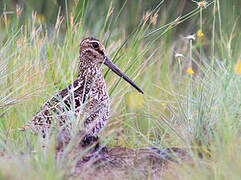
(93, 52)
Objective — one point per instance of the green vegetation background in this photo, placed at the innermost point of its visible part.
(191, 101)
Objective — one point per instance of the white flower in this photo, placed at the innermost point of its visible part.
(178, 55)
(190, 37)
(201, 4)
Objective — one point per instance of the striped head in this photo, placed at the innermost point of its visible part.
(92, 53)
(92, 50)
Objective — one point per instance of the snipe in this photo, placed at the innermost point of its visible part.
(89, 88)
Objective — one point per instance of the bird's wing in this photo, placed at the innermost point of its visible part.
(64, 101)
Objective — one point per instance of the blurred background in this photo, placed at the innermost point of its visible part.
(184, 54)
(47, 10)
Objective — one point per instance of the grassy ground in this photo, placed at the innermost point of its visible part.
(191, 100)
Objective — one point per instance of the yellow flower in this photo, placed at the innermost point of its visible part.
(200, 33)
(237, 67)
(135, 100)
(164, 104)
(190, 71)
(68, 81)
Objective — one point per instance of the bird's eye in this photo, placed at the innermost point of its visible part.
(95, 45)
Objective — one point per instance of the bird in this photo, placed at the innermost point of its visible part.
(88, 93)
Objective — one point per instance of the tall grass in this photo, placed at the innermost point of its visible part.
(199, 111)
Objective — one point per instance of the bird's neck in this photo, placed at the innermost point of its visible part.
(88, 71)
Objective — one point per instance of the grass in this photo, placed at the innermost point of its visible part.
(199, 111)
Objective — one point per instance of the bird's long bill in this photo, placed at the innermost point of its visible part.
(116, 70)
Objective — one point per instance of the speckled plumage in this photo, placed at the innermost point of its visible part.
(88, 94)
